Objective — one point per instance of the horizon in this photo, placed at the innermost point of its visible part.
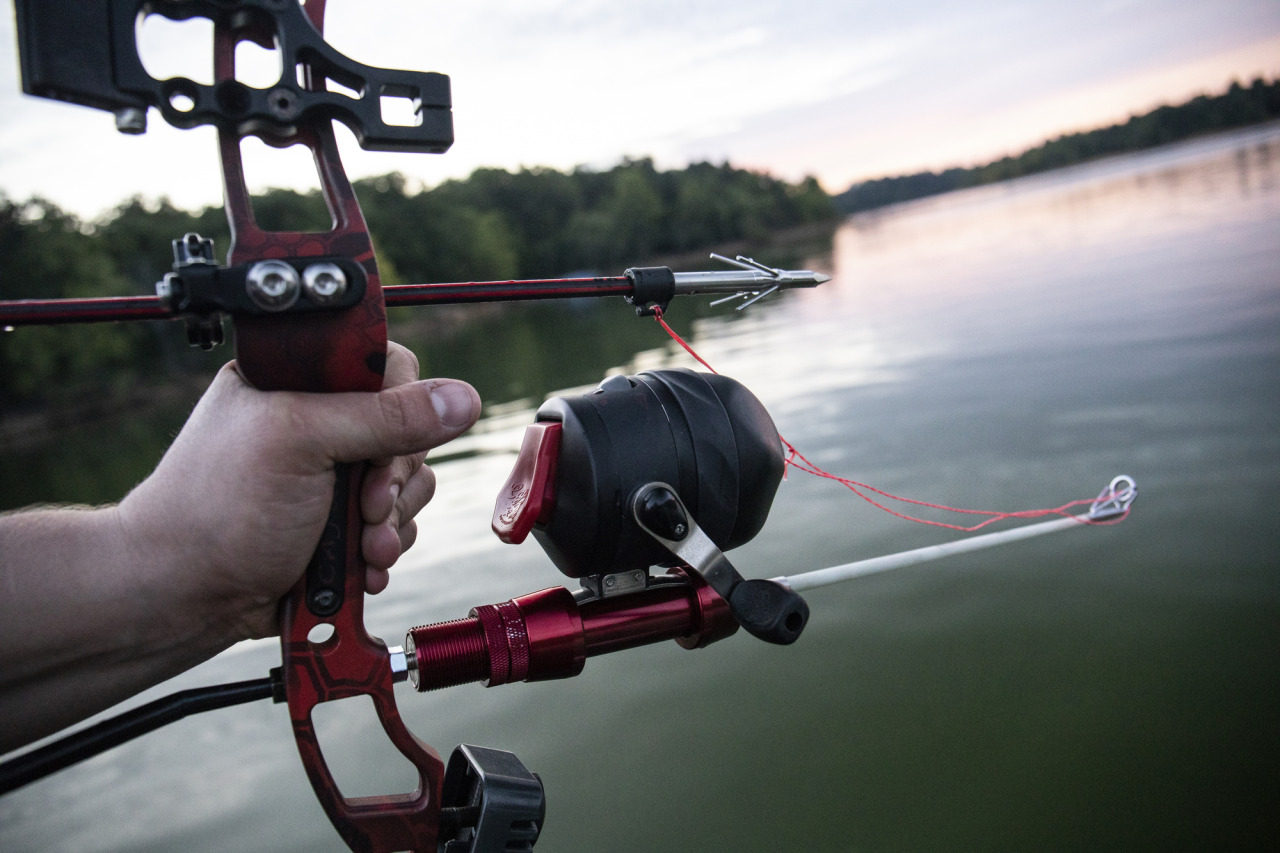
(154, 203)
(845, 92)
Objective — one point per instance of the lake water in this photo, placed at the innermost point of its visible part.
(1007, 347)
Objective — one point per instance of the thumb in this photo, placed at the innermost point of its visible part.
(406, 419)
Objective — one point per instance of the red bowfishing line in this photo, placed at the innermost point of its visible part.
(795, 459)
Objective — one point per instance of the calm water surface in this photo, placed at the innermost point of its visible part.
(1103, 689)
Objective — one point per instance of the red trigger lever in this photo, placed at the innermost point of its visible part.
(529, 495)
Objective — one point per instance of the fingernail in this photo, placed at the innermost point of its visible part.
(395, 495)
(454, 403)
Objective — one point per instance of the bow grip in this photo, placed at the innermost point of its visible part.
(335, 351)
(340, 351)
(347, 663)
(328, 654)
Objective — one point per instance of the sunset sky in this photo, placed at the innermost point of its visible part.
(840, 89)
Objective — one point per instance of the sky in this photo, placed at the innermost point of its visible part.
(843, 90)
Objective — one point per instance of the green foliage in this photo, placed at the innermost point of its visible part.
(50, 254)
(139, 236)
(1239, 106)
(425, 239)
(542, 222)
(493, 225)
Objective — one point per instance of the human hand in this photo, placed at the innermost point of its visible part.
(396, 488)
(228, 521)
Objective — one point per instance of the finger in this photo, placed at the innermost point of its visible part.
(407, 419)
(379, 536)
(380, 545)
(382, 487)
(384, 541)
(408, 535)
(376, 580)
(402, 368)
(417, 492)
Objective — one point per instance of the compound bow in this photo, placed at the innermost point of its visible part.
(309, 315)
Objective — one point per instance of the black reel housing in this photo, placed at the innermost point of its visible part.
(705, 435)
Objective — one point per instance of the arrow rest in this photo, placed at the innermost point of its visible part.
(201, 292)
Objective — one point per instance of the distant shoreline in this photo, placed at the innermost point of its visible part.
(1238, 107)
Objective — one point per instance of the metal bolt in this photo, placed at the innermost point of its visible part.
(324, 283)
(399, 659)
(610, 581)
(272, 285)
(324, 599)
(680, 530)
(131, 120)
(282, 104)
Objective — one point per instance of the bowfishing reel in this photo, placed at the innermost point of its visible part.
(665, 468)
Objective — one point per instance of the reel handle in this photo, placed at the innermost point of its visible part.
(767, 609)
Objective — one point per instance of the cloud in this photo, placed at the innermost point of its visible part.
(843, 89)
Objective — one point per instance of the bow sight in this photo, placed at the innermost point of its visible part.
(666, 468)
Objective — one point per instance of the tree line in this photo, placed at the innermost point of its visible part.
(1239, 106)
(494, 224)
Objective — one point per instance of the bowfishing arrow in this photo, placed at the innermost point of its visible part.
(635, 285)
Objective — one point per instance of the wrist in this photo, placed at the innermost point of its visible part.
(87, 620)
(168, 578)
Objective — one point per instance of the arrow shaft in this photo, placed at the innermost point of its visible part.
(44, 312)
(849, 571)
